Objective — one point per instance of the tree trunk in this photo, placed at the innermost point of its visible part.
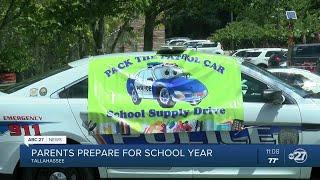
(120, 32)
(231, 16)
(149, 24)
(82, 51)
(304, 39)
(98, 35)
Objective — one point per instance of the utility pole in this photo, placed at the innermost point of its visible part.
(291, 15)
(290, 42)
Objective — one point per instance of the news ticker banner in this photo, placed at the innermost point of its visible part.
(159, 155)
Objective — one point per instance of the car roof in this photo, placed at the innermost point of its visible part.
(207, 42)
(85, 61)
(241, 50)
(262, 49)
(313, 44)
(267, 49)
(174, 38)
(199, 40)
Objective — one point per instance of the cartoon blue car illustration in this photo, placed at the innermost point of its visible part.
(167, 83)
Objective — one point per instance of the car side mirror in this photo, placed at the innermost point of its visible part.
(273, 96)
(150, 79)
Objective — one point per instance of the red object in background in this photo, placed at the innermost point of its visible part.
(277, 59)
(6, 78)
(310, 66)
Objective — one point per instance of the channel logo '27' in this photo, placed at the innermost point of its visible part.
(299, 155)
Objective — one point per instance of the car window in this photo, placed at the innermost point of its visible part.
(148, 75)
(199, 45)
(269, 53)
(252, 89)
(276, 79)
(209, 45)
(32, 80)
(252, 54)
(307, 51)
(78, 90)
(176, 43)
(191, 44)
(296, 80)
(240, 54)
(141, 75)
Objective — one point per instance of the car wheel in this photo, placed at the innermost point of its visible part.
(165, 99)
(58, 174)
(135, 97)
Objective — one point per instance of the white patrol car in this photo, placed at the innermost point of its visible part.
(53, 104)
(258, 56)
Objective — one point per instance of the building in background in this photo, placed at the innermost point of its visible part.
(136, 43)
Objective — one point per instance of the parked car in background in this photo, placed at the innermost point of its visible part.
(209, 47)
(7, 78)
(300, 78)
(278, 59)
(240, 53)
(193, 43)
(306, 56)
(260, 57)
(178, 41)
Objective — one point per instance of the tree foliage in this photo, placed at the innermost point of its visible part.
(36, 36)
(40, 35)
(270, 24)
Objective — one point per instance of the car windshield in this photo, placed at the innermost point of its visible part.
(306, 80)
(191, 44)
(300, 91)
(252, 54)
(27, 82)
(167, 72)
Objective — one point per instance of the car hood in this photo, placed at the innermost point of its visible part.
(184, 84)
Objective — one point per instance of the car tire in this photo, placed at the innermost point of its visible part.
(58, 173)
(135, 97)
(165, 99)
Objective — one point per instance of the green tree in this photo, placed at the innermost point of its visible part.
(153, 11)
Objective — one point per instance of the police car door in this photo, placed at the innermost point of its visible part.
(266, 123)
(77, 94)
(139, 83)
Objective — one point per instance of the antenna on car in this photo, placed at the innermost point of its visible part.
(167, 50)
